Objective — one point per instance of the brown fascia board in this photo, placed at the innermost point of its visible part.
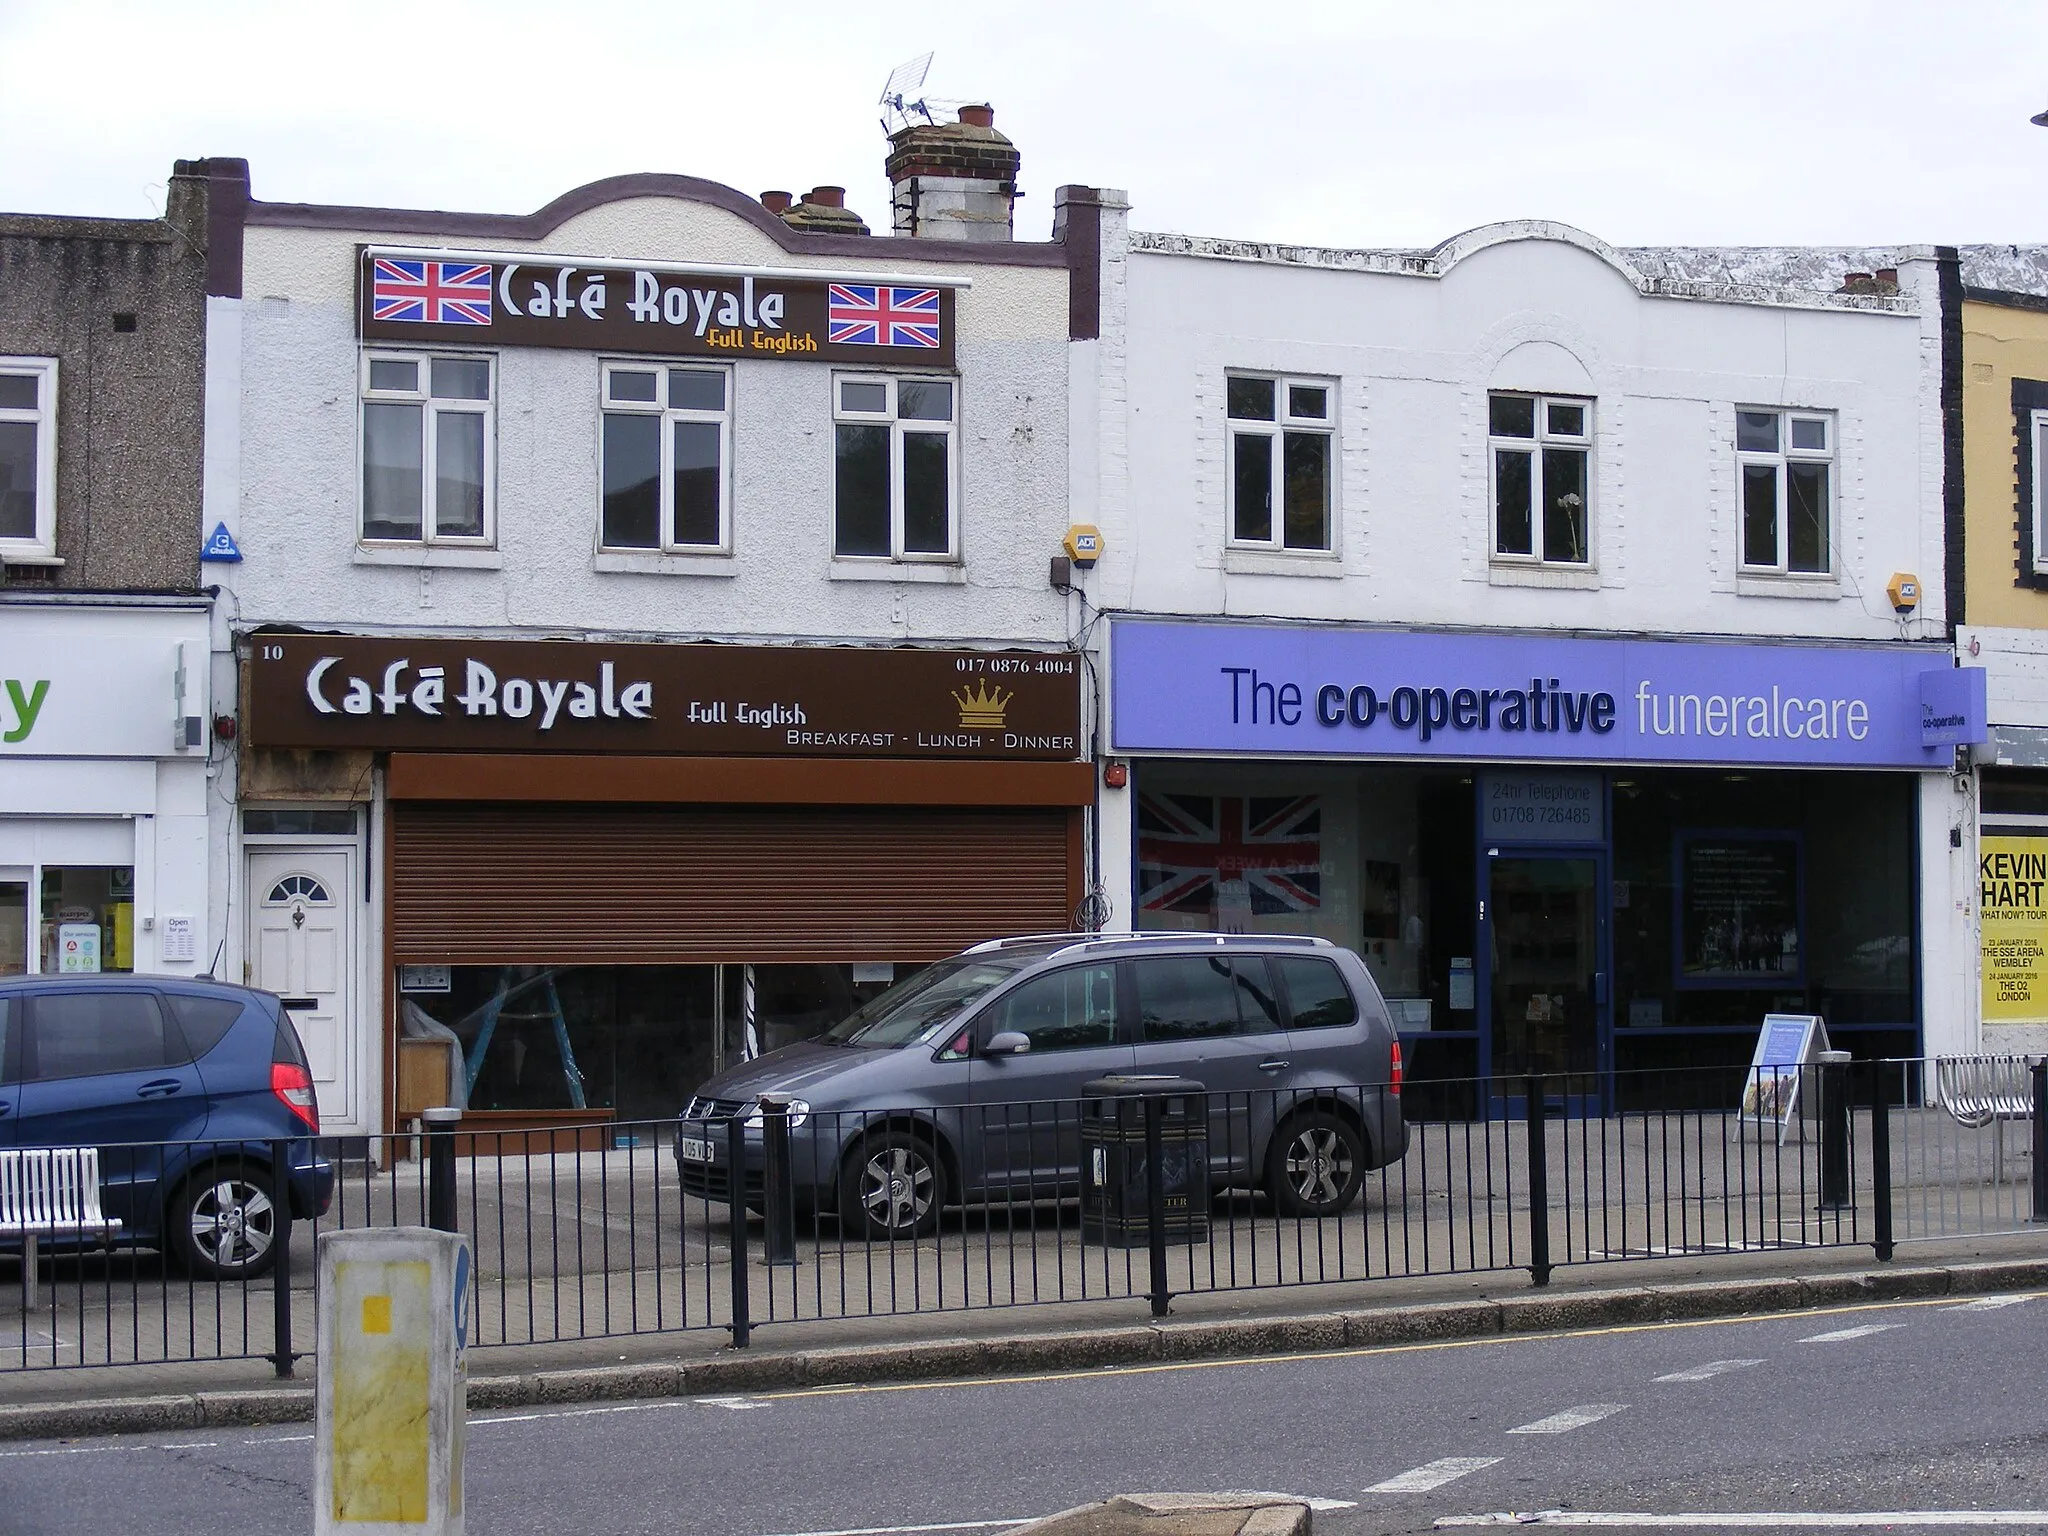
(2003, 299)
(615, 189)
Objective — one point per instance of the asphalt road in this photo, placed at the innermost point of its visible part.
(1938, 1411)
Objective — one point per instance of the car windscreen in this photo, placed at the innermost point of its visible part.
(912, 1010)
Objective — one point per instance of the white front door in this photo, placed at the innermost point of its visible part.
(301, 929)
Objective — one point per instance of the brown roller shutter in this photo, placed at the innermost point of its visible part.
(622, 885)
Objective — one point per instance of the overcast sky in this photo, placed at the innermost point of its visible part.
(1372, 123)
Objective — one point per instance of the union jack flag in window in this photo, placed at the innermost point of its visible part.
(431, 292)
(864, 315)
(1188, 844)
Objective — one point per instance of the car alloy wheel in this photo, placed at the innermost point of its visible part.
(1317, 1165)
(226, 1222)
(894, 1187)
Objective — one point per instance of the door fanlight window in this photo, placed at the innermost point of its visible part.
(298, 888)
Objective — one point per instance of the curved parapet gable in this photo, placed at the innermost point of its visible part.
(544, 221)
(1454, 250)
(1773, 285)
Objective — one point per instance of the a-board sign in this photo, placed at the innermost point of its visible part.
(1786, 1043)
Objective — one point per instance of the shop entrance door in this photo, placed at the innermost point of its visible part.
(1545, 917)
(15, 948)
(301, 907)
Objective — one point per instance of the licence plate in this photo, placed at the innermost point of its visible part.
(691, 1150)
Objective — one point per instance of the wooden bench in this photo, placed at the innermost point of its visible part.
(1986, 1090)
(49, 1191)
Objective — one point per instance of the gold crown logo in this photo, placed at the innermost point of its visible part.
(982, 705)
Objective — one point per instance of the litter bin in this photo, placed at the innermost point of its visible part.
(1115, 1188)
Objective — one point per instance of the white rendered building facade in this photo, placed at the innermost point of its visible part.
(642, 640)
(1517, 613)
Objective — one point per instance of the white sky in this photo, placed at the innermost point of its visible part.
(1373, 123)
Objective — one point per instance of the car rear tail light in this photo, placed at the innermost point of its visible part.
(294, 1084)
(1394, 1069)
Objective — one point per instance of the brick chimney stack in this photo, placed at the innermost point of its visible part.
(822, 211)
(954, 181)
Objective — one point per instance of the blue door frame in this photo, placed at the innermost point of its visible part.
(1593, 1094)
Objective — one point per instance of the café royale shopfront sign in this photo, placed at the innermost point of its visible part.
(442, 695)
(673, 309)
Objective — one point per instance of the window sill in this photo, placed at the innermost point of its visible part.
(1812, 588)
(950, 575)
(429, 556)
(35, 556)
(1575, 577)
(651, 563)
(1293, 562)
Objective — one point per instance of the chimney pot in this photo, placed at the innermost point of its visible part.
(776, 202)
(1856, 282)
(954, 181)
(827, 197)
(1887, 277)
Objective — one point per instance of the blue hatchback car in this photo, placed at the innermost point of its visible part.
(185, 1085)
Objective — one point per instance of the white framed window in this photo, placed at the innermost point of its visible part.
(1281, 443)
(1786, 464)
(896, 467)
(429, 445)
(666, 458)
(1540, 462)
(2037, 493)
(28, 458)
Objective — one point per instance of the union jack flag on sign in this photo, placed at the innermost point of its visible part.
(863, 315)
(1189, 844)
(431, 292)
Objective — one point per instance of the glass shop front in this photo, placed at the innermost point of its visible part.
(1605, 923)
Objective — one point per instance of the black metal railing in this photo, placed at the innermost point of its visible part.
(626, 1229)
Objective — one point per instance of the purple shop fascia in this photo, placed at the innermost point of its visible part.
(1689, 833)
(1355, 693)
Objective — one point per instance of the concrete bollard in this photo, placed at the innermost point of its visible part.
(391, 1401)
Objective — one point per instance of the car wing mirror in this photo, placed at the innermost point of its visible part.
(1007, 1042)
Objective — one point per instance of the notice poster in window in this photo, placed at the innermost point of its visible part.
(1738, 910)
(78, 947)
(2012, 880)
(1787, 1043)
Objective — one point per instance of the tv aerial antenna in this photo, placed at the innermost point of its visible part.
(902, 95)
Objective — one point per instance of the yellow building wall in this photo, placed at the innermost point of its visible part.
(1999, 345)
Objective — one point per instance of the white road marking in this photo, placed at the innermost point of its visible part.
(1710, 1370)
(186, 1445)
(71, 1450)
(1757, 1519)
(1988, 1304)
(909, 1530)
(1434, 1474)
(1570, 1418)
(737, 1404)
(585, 1413)
(1841, 1335)
(1321, 1506)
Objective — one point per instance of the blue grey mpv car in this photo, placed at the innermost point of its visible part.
(962, 1084)
(186, 1086)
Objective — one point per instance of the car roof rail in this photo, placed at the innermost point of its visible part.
(1074, 941)
(1010, 941)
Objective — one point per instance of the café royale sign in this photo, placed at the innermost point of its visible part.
(675, 310)
(444, 695)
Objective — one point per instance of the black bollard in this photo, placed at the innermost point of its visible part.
(1833, 1085)
(778, 1193)
(441, 1167)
